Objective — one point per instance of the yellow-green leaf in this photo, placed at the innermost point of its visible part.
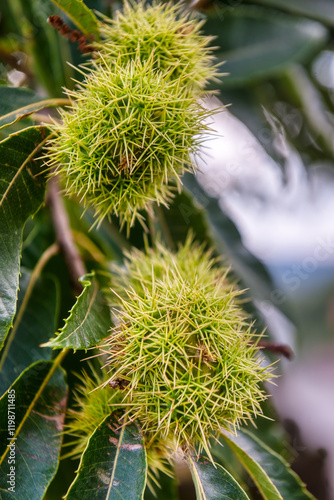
(270, 472)
(17, 103)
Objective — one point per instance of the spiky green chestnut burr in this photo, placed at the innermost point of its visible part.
(165, 32)
(183, 347)
(129, 131)
(94, 402)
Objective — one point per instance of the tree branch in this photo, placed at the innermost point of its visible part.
(283, 349)
(64, 236)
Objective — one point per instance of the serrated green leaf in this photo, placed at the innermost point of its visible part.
(39, 409)
(256, 43)
(270, 472)
(36, 326)
(22, 188)
(17, 103)
(81, 15)
(321, 10)
(89, 320)
(214, 482)
(113, 465)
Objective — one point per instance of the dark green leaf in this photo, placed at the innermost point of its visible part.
(113, 465)
(36, 326)
(38, 236)
(107, 237)
(257, 44)
(9, 20)
(81, 15)
(214, 482)
(22, 188)
(167, 491)
(321, 10)
(39, 409)
(270, 472)
(263, 482)
(88, 322)
(17, 103)
(183, 216)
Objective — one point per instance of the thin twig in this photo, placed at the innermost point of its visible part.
(64, 236)
(200, 4)
(283, 349)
